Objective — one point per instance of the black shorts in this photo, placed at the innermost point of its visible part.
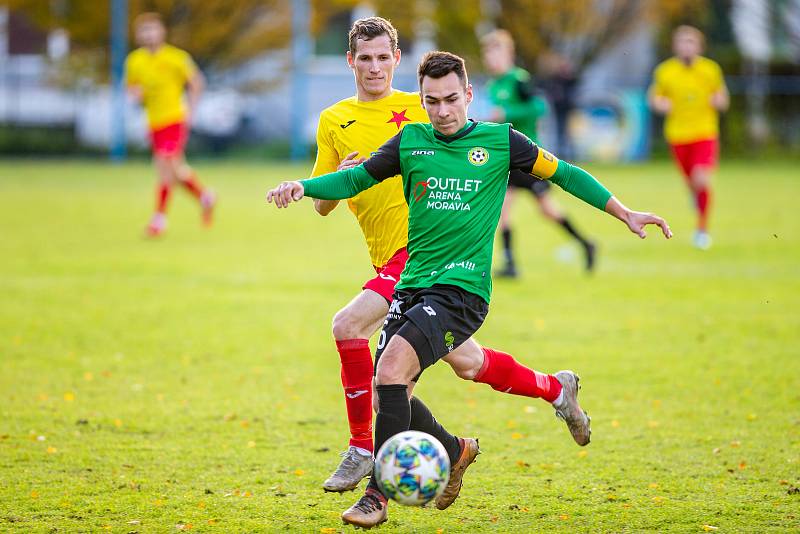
(523, 180)
(434, 320)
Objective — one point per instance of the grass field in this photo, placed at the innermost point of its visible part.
(191, 382)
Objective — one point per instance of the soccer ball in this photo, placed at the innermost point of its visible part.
(412, 468)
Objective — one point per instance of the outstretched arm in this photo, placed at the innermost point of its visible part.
(344, 183)
(530, 158)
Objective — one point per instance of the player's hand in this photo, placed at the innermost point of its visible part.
(350, 161)
(637, 220)
(285, 194)
(662, 104)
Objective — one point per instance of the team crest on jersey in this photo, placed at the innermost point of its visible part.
(478, 156)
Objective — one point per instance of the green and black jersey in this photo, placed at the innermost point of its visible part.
(454, 187)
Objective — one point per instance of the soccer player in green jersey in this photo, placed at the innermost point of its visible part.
(454, 174)
(515, 102)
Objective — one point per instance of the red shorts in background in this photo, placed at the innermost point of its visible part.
(688, 155)
(169, 140)
(388, 275)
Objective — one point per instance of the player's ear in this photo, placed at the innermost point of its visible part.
(397, 55)
(350, 59)
(468, 94)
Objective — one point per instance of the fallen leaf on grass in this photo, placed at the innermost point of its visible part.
(251, 444)
(69, 396)
(201, 505)
(752, 417)
(529, 409)
(742, 465)
(783, 482)
(520, 463)
(42, 397)
(51, 450)
(184, 526)
(299, 472)
(511, 424)
(652, 485)
(158, 502)
(494, 519)
(134, 522)
(517, 435)
(329, 530)
(611, 497)
(88, 376)
(212, 522)
(563, 517)
(658, 500)
(653, 424)
(709, 528)
(615, 423)
(34, 494)
(583, 454)
(244, 423)
(735, 444)
(716, 450)
(118, 423)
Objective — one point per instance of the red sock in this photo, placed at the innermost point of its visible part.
(162, 197)
(703, 198)
(357, 381)
(504, 373)
(192, 185)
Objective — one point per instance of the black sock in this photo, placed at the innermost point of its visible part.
(394, 416)
(422, 419)
(509, 254)
(572, 231)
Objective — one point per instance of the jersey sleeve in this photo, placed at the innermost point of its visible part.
(657, 86)
(385, 162)
(131, 72)
(328, 158)
(186, 65)
(527, 157)
(530, 105)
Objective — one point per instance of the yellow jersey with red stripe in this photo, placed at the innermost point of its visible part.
(351, 125)
(689, 88)
(162, 77)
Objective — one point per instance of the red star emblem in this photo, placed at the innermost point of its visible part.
(399, 118)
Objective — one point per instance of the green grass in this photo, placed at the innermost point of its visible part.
(146, 385)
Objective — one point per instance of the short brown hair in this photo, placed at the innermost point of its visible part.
(369, 28)
(439, 64)
(690, 30)
(498, 37)
(146, 18)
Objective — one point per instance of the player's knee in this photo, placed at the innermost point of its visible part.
(346, 325)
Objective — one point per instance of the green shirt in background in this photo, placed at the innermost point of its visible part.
(513, 94)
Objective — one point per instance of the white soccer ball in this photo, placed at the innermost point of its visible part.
(412, 468)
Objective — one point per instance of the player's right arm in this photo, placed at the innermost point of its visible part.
(327, 161)
(656, 94)
(345, 183)
(132, 81)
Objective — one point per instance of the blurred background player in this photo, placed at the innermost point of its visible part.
(157, 76)
(690, 91)
(511, 92)
(354, 127)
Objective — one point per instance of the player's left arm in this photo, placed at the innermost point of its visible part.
(720, 98)
(195, 82)
(528, 157)
(344, 183)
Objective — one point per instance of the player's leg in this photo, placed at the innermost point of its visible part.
(551, 210)
(509, 270)
(353, 325)
(187, 178)
(503, 373)
(703, 162)
(166, 179)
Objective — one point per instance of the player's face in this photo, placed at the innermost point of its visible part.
(497, 58)
(686, 46)
(373, 66)
(150, 34)
(446, 100)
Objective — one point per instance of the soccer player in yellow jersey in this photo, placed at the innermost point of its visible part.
(158, 74)
(351, 130)
(690, 91)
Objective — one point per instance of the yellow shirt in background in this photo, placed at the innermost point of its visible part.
(162, 77)
(689, 88)
(354, 126)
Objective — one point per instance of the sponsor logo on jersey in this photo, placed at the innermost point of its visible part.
(446, 193)
(343, 126)
(423, 152)
(449, 339)
(478, 156)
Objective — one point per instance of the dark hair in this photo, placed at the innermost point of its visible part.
(438, 64)
(369, 28)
